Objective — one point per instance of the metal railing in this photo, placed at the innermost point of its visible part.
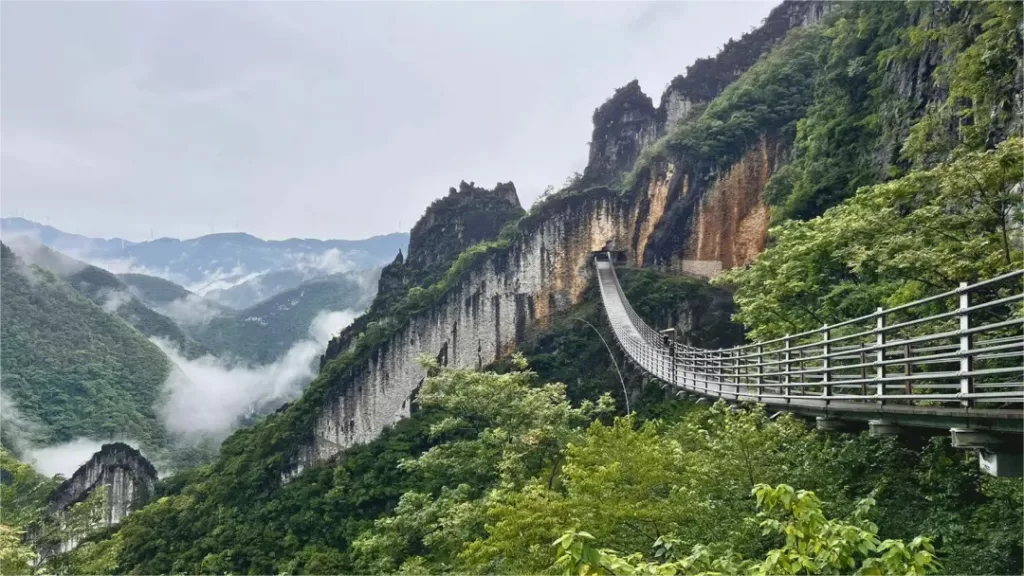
(955, 357)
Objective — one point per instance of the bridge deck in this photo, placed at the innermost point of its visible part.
(852, 374)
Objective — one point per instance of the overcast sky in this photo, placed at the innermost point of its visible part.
(322, 120)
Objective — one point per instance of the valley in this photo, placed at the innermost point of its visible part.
(150, 344)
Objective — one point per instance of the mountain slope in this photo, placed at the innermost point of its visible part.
(262, 287)
(153, 290)
(262, 333)
(108, 292)
(71, 366)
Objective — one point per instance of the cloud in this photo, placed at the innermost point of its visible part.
(67, 457)
(220, 280)
(332, 261)
(112, 300)
(327, 325)
(192, 310)
(18, 431)
(31, 250)
(25, 436)
(207, 396)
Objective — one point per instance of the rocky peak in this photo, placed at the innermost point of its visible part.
(466, 216)
(707, 77)
(623, 125)
(628, 121)
(129, 477)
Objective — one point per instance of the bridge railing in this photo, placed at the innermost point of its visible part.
(964, 347)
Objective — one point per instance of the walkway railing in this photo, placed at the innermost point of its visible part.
(956, 358)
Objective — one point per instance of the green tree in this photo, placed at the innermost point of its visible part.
(16, 557)
(813, 544)
(500, 431)
(891, 243)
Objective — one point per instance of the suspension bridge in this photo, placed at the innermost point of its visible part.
(952, 362)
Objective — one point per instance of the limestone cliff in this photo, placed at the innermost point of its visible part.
(707, 77)
(702, 222)
(477, 320)
(465, 217)
(623, 126)
(129, 478)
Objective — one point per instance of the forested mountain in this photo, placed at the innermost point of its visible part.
(108, 292)
(263, 332)
(113, 295)
(153, 290)
(841, 157)
(70, 366)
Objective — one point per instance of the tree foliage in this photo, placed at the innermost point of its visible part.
(72, 367)
(813, 544)
(891, 243)
(903, 85)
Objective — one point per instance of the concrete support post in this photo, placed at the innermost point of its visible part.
(998, 455)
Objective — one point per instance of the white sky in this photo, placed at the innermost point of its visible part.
(313, 119)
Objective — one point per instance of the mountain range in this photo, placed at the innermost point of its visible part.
(234, 269)
(90, 354)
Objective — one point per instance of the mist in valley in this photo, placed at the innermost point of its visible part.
(209, 396)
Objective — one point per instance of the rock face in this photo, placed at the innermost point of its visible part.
(623, 126)
(478, 320)
(126, 474)
(709, 222)
(707, 77)
(464, 217)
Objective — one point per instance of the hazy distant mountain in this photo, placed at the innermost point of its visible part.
(264, 332)
(219, 262)
(262, 287)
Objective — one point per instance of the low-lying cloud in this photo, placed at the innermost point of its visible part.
(32, 252)
(26, 436)
(192, 310)
(331, 261)
(207, 396)
(112, 300)
(18, 431)
(67, 457)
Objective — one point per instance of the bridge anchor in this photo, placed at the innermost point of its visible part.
(997, 455)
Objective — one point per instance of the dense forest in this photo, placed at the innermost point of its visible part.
(69, 366)
(901, 126)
